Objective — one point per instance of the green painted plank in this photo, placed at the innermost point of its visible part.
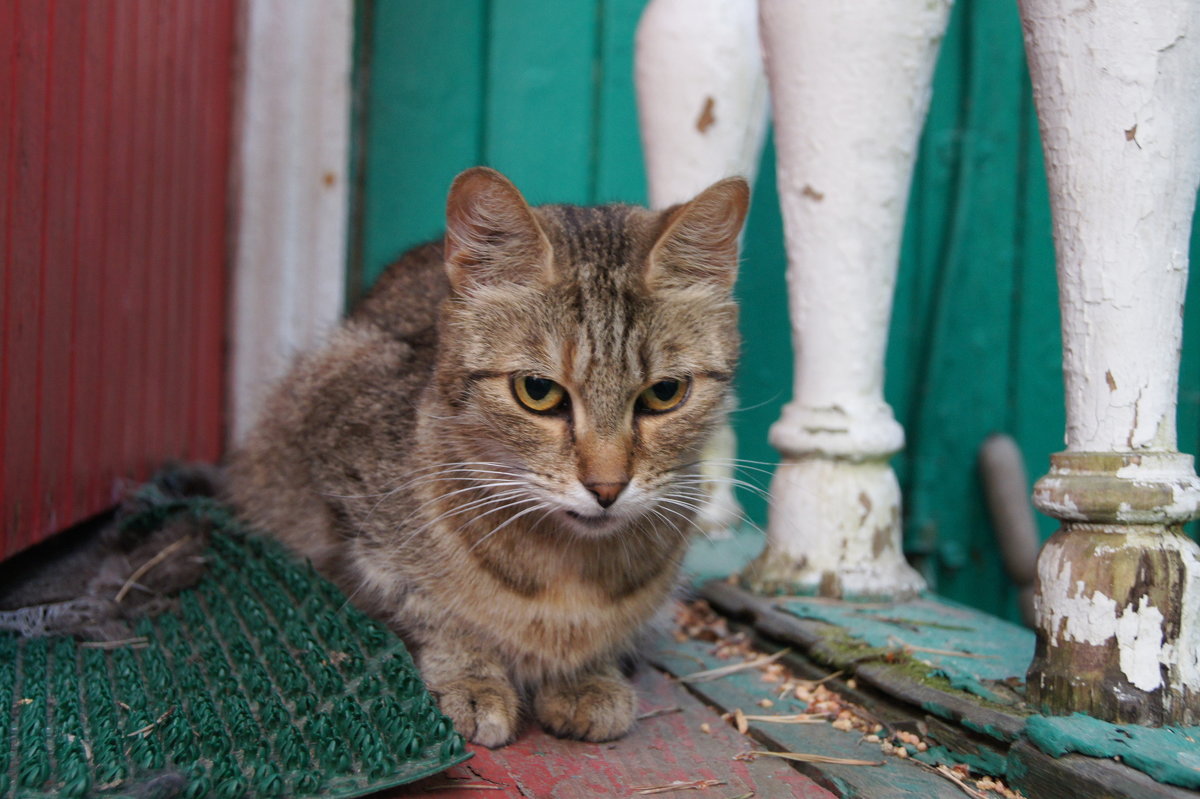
(900, 362)
(540, 96)
(360, 59)
(934, 178)
(423, 122)
(993, 651)
(1189, 373)
(967, 355)
(764, 379)
(619, 173)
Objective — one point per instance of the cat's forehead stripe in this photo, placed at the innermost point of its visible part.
(593, 249)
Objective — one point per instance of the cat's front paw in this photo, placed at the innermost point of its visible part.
(596, 707)
(485, 711)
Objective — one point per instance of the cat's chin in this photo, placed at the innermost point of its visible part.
(597, 526)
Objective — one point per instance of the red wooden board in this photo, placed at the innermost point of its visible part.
(659, 751)
(114, 158)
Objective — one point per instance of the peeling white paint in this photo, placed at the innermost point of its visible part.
(1117, 87)
(1068, 611)
(835, 516)
(1140, 639)
(1071, 613)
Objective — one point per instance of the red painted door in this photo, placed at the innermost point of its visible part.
(114, 151)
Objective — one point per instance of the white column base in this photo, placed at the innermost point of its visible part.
(834, 531)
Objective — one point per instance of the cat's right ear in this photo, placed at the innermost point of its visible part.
(699, 242)
(492, 236)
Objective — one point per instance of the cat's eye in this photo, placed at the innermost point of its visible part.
(538, 394)
(663, 396)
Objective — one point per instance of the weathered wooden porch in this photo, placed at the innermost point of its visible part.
(918, 698)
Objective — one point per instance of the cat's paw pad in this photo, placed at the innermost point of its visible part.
(483, 711)
(597, 708)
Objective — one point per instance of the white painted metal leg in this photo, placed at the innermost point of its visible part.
(702, 106)
(1117, 86)
(850, 85)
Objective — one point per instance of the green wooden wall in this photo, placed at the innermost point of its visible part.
(544, 92)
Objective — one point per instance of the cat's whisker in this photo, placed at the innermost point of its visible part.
(512, 492)
(738, 466)
(743, 519)
(427, 478)
(477, 484)
(761, 467)
(675, 525)
(732, 481)
(501, 503)
(702, 476)
(773, 398)
(490, 499)
(468, 474)
(506, 523)
(749, 461)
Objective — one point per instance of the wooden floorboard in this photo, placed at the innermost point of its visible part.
(659, 751)
(892, 777)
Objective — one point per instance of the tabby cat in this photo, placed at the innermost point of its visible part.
(497, 452)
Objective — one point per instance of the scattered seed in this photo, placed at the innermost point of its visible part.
(954, 778)
(793, 718)
(725, 671)
(695, 785)
(659, 711)
(144, 731)
(909, 648)
(141, 642)
(166, 552)
(807, 757)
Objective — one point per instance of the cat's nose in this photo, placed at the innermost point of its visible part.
(606, 493)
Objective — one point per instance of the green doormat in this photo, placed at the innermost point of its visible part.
(265, 682)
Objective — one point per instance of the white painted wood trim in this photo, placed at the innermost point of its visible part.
(291, 161)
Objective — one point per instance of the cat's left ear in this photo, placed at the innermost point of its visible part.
(492, 236)
(699, 243)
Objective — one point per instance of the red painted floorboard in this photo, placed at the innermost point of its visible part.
(657, 752)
